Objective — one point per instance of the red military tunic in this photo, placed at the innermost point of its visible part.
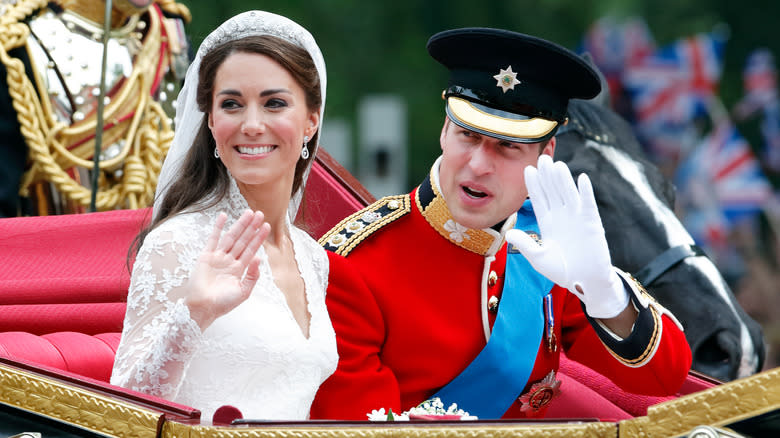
(409, 296)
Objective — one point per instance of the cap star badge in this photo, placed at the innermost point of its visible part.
(506, 79)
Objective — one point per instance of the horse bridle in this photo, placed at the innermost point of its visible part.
(665, 261)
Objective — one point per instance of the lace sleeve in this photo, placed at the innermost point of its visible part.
(159, 336)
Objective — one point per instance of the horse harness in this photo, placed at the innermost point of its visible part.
(665, 261)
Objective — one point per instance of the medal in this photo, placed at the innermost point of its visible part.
(549, 323)
(540, 394)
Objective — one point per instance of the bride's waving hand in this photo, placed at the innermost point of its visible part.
(227, 269)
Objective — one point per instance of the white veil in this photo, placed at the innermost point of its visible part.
(189, 117)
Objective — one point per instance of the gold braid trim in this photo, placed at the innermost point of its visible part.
(18, 12)
(172, 7)
(169, 6)
(650, 349)
(353, 229)
(147, 134)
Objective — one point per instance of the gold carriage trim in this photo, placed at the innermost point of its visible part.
(575, 429)
(352, 230)
(75, 406)
(719, 406)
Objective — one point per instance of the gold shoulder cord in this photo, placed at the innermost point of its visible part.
(55, 147)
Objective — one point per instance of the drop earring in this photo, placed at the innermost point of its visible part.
(216, 152)
(305, 150)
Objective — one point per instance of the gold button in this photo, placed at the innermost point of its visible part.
(493, 304)
(393, 205)
(492, 278)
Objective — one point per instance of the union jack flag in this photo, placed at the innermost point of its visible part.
(676, 83)
(604, 42)
(667, 146)
(613, 46)
(709, 229)
(638, 41)
(760, 83)
(724, 169)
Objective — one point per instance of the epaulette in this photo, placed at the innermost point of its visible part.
(355, 228)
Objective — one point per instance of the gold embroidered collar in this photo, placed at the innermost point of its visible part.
(434, 209)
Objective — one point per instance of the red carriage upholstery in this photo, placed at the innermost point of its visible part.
(64, 280)
(63, 283)
(586, 393)
(66, 272)
(86, 355)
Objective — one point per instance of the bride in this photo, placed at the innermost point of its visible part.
(227, 298)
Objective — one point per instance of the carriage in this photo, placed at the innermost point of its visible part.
(63, 283)
(63, 280)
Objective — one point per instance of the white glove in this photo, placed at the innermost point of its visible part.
(573, 252)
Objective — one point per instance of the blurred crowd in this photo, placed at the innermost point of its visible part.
(726, 181)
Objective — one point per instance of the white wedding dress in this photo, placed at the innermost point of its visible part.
(254, 358)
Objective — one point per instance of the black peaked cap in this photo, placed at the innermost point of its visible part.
(542, 79)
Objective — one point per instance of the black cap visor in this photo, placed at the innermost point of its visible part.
(499, 124)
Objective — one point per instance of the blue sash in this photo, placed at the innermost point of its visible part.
(497, 376)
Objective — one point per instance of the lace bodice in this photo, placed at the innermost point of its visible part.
(255, 358)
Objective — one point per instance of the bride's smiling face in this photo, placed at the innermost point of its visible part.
(258, 119)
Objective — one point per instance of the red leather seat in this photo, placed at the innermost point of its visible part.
(86, 355)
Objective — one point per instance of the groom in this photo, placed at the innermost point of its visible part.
(429, 300)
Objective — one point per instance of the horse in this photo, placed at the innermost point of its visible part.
(646, 239)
